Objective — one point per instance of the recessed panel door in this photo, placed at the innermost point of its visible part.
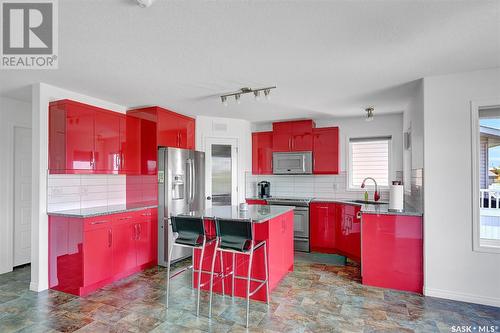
(22, 196)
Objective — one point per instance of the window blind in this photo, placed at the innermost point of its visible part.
(369, 157)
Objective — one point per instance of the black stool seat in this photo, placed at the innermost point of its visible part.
(194, 240)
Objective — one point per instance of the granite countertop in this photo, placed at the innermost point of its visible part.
(381, 209)
(255, 213)
(102, 210)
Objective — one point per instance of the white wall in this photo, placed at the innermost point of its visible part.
(452, 269)
(357, 127)
(12, 113)
(213, 127)
(42, 94)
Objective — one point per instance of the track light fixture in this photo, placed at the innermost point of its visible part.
(246, 90)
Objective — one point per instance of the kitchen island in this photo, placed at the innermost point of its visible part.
(274, 224)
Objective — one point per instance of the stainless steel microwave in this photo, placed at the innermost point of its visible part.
(296, 163)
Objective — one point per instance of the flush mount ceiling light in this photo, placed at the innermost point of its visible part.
(246, 90)
(369, 113)
(144, 3)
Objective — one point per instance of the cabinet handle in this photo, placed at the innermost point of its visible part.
(146, 214)
(110, 238)
(99, 222)
(140, 231)
(92, 159)
(135, 232)
(125, 218)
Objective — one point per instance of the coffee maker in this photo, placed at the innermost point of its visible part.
(264, 189)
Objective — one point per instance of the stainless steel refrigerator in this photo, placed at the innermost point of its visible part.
(181, 189)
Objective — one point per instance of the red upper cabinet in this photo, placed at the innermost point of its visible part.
(262, 153)
(130, 145)
(326, 150)
(79, 138)
(86, 139)
(293, 136)
(186, 132)
(173, 129)
(107, 142)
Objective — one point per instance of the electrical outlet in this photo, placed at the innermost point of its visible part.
(335, 186)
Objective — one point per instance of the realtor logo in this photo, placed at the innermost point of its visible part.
(29, 34)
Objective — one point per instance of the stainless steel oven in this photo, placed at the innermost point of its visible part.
(296, 163)
(300, 220)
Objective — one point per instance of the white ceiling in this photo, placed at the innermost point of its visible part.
(328, 58)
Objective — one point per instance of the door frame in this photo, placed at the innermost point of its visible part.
(233, 142)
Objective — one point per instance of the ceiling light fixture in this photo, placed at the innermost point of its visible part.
(144, 3)
(246, 90)
(369, 113)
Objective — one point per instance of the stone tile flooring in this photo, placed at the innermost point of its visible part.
(314, 298)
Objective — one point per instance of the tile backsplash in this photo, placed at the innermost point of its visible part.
(415, 197)
(317, 186)
(82, 191)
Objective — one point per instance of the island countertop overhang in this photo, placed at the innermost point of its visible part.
(255, 213)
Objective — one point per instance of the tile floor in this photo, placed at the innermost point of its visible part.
(314, 298)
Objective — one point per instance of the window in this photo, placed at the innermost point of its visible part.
(486, 179)
(369, 157)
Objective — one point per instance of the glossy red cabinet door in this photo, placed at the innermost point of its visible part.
(168, 129)
(393, 252)
(322, 227)
(143, 243)
(293, 136)
(130, 145)
(326, 150)
(302, 139)
(124, 252)
(107, 142)
(262, 153)
(57, 139)
(186, 128)
(79, 138)
(282, 136)
(97, 255)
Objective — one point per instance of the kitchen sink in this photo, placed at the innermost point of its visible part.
(364, 202)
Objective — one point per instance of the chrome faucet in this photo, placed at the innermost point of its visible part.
(376, 195)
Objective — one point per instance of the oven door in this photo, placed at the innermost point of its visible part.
(292, 163)
(301, 222)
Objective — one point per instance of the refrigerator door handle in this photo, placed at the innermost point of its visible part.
(193, 181)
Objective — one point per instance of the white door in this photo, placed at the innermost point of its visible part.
(22, 196)
(221, 175)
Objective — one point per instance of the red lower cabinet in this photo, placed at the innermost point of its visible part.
(392, 252)
(322, 227)
(97, 254)
(87, 253)
(335, 228)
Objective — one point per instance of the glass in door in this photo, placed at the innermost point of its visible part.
(221, 174)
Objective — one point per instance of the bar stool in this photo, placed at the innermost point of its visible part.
(236, 237)
(190, 232)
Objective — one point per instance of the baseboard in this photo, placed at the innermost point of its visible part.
(462, 297)
(34, 286)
